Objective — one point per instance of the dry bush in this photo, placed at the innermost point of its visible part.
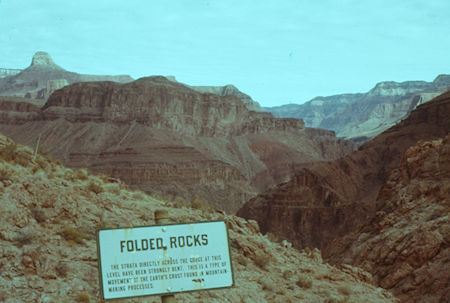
(266, 284)
(202, 205)
(25, 238)
(242, 260)
(83, 297)
(39, 214)
(62, 269)
(345, 290)
(138, 195)
(304, 281)
(73, 235)
(5, 174)
(95, 187)
(287, 274)
(8, 152)
(261, 260)
(82, 174)
(272, 237)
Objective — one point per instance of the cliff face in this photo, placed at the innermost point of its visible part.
(324, 201)
(43, 76)
(51, 215)
(168, 139)
(363, 116)
(406, 244)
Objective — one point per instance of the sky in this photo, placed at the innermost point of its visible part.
(276, 51)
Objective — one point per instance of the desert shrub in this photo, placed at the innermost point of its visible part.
(22, 158)
(345, 290)
(39, 214)
(113, 188)
(5, 174)
(83, 297)
(137, 195)
(73, 235)
(272, 237)
(62, 269)
(8, 152)
(261, 260)
(287, 274)
(94, 187)
(202, 205)
(242, 260)
(24, 238)
(266, 284)
(82, 174)
(304, 281)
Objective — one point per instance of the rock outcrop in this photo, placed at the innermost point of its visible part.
(229, 90)
(43, 76)
(406, 245)
(326, 200)
(165, 138)
(363, 116)
(48, 252)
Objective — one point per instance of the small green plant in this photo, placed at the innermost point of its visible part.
(304, 281)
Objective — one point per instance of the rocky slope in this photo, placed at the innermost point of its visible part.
(363, 116)
(48, 253)
(327, 200)
(406, 245)
(159, 135)
(43, 77)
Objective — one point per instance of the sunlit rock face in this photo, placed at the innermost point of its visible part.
(165, 138)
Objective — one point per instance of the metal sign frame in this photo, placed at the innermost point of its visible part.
(100, 270)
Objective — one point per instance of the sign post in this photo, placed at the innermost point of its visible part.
(164, 259)
(162, 217)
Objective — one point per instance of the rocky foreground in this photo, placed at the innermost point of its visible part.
(50, 215)
(406, 246)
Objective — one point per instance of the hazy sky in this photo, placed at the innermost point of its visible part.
(278, 52)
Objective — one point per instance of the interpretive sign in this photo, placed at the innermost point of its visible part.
(164, 259)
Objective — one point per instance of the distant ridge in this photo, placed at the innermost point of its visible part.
(364, 115)
(43, 77)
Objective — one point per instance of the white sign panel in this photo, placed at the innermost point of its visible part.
(164, 259)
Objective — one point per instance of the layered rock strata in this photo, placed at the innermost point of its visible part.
(406, 245)
(166, 138)
(326, 200)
